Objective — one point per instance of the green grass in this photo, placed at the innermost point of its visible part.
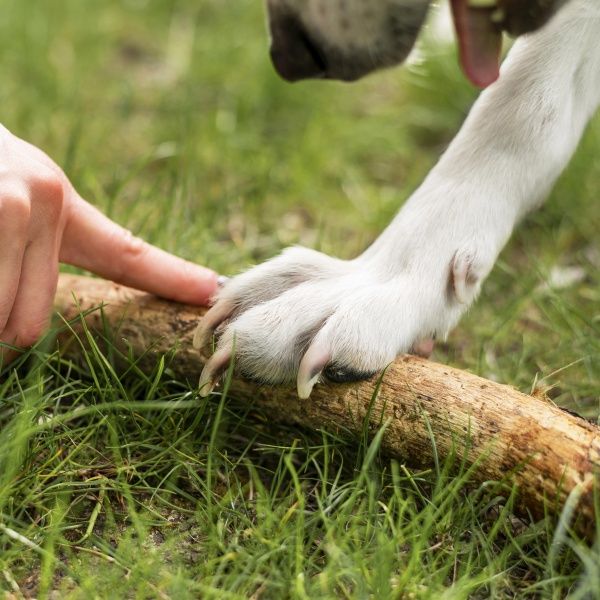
(115, 483)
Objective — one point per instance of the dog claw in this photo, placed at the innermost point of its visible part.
(311, 367)
(213, 370)
(211, 320)
(305, 386)
(200, 336)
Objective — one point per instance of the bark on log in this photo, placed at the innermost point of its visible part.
(550, 455)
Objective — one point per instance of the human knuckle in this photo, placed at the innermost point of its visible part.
(15, 208)
(132, 247)
(51, 192)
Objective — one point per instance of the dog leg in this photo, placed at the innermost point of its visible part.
(304, 315)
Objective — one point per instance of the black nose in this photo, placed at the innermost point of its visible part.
(294, 55)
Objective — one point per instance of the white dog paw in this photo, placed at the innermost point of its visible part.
(264, 282)
(304, 316)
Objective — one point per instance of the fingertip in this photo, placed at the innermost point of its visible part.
(208, 282)
(198, 286)
(92, 241)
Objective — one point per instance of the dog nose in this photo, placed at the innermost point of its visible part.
(294, 55)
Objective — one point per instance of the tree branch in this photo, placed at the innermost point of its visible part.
(548, 453)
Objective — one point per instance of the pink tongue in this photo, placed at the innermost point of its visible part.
(480, 42)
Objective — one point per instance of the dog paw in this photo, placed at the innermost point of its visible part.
(305, 316)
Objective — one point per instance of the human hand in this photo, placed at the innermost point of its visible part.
(44, 221)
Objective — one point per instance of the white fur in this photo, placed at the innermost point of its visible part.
(426, 268)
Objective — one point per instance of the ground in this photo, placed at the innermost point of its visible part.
(116, 483)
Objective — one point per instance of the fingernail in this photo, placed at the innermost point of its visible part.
(222, 280)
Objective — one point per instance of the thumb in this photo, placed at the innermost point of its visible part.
(94, 242)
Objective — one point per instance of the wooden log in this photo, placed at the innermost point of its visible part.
(550, 455)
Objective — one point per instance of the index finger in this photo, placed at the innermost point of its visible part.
(94, 242)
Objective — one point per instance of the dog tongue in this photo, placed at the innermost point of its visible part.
(479, 41)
